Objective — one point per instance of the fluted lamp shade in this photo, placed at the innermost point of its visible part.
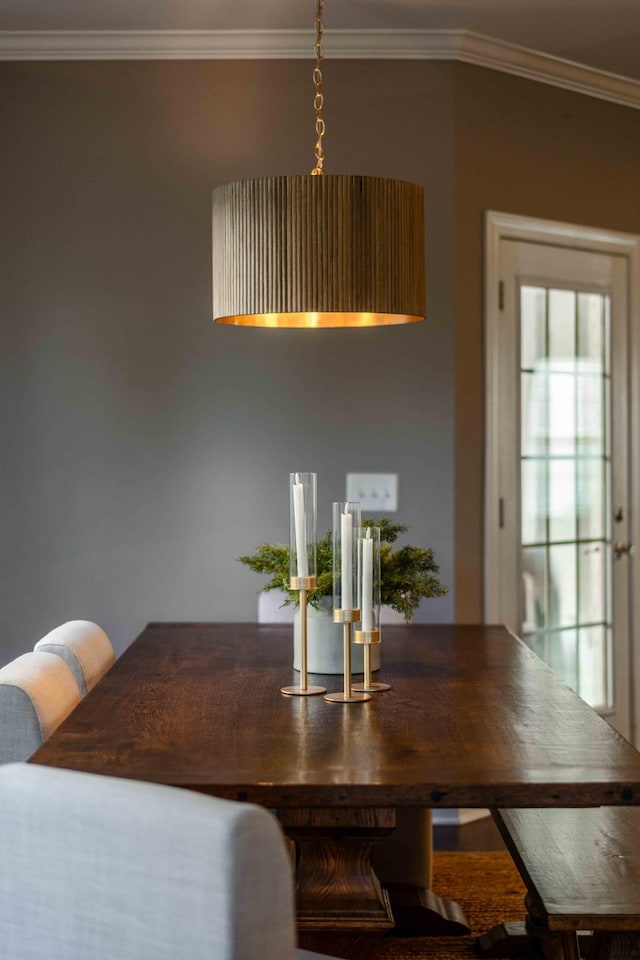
(318, 251)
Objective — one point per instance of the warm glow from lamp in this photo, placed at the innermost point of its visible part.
(317, 321)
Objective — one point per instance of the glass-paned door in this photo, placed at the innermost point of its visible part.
(558, 563)
(565, 483)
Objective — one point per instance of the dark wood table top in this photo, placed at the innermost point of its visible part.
(474, 719)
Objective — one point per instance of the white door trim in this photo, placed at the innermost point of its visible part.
(502, 226)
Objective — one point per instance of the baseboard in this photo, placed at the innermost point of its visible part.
(458, 818)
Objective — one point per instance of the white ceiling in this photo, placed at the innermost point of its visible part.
(600, 34)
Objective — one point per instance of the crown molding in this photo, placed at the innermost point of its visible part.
(457, 45)
(543, 68)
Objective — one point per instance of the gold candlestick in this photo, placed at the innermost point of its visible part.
(367, 638)
(347, 618)
(303, 689)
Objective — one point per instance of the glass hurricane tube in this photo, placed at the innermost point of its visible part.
(302, 563)
(369, 592)
(346, 523)
(302, 530)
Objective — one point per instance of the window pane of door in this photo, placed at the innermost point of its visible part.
(565, 472)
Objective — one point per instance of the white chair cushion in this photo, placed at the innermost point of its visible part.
(98, 868)
(84, 646)
(37, 692)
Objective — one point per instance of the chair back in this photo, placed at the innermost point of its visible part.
(37, 692)
(84, 646)
(101, 867)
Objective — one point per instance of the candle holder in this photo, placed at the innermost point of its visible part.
(368, 565)
(346, 523)
(302, 564)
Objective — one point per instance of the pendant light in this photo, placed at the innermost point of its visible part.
(318, 250)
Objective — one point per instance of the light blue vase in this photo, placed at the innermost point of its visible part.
(325, 644)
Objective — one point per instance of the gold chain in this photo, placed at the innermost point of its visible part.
(318, 99)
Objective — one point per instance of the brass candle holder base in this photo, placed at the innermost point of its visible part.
(344, 698)
(376, 686)
(347, 618)
(300, 692)
(303, 689)
(367, 638)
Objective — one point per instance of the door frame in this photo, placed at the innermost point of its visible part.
(505, 226)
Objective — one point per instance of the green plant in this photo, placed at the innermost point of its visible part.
(408, 575)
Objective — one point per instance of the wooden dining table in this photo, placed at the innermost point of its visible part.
(473, 719)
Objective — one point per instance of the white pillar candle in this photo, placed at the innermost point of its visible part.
(300, 527)
(367, 583)
(346, 556)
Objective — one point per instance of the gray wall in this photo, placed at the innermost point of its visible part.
(144, 448)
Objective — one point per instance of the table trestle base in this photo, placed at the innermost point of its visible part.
(419, 912)
(336, 842)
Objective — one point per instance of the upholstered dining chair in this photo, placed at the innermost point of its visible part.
(37, 692)
(100, 867)
(84, 646)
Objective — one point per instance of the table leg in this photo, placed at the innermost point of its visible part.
(514, 940)
(506, 940)
(419, 912)
(336, 888)
(614, 945)
(338, 894)
(403, 862)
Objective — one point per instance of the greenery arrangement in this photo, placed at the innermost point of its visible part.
(408, 575)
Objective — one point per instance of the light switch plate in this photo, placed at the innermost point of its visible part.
(375, 492)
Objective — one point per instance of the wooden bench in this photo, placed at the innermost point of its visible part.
(581, 868)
